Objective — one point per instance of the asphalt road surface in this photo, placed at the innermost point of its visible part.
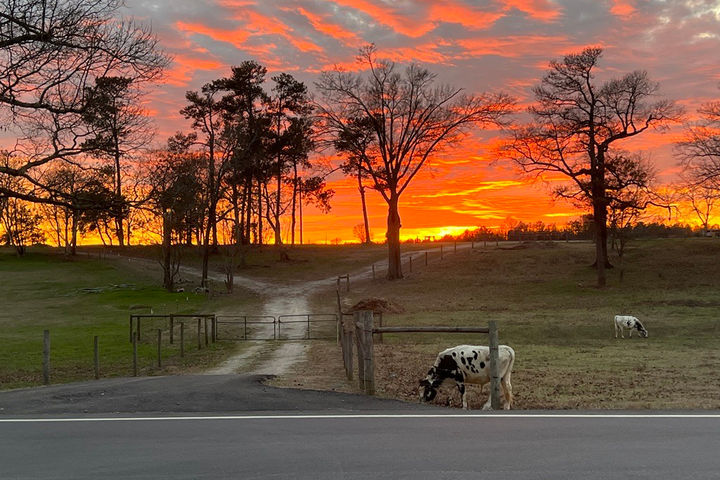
(267, 434)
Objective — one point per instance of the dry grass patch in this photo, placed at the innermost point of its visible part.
(560, 325)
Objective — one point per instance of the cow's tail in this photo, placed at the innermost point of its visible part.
(506, 381)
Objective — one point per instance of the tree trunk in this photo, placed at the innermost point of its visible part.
(366, 223)
(118, 193)
(294, 204)
(393, 240)
(600, 216)
(278, 239)
(205, 258)
(300, 200)
(259, 239)
(167, 253)
(73, 242)
(248, 211)
(237, 229)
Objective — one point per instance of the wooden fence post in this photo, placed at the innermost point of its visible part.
(172, 329)
(46, 357)
(346, 344)
(366, 319)
(494, 366)
(199, 333)
(360, 349)
(455, 247)
(182, 339)
(135, 355)
(159, 348)
(379, 324)
(206, 331)
(96, 356)
(340, 331)
(426, 255)
(410, 263)
(441, 252)
(131, 328)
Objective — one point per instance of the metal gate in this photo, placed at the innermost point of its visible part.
(307, 326)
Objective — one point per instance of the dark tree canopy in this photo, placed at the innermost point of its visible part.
(52, 52)
(576, 125)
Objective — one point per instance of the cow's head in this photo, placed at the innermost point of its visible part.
(429, 386)
(641, 330)
(445, 368)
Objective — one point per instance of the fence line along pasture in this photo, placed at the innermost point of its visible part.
(359, 331)
(410, 256)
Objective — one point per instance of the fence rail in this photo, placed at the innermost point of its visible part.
(360, 330)
(305, 326)
(247, 327)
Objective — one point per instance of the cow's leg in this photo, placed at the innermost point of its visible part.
(616, 329)
(488, 404)
(507, 391)
(631, 333)
(463, 392)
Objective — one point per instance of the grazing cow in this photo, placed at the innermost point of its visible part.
(631, 323)
(468, 364)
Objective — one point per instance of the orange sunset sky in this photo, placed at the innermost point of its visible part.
(498, 45)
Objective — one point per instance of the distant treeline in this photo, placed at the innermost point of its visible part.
(574, 230)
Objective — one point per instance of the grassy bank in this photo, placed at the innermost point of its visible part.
(548, 309)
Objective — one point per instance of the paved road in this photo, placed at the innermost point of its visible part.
(181, 394)
(404, 447)
(145, 429)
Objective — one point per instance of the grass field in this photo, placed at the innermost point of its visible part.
(542, 295)
(547, 308)
(79, 298)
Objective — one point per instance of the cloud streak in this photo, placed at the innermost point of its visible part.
(490, 45)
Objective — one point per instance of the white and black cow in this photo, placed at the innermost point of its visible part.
(631, 323)
(468, 364)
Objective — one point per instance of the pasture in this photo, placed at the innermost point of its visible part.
(561, 327)
(79, 298)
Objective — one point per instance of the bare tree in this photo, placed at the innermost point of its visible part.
(703, 197)
(701, 146)
(118, 128)
(176, 185)
(354, 142)
(575, 124)
(52, 50)
(700, 151)
(412, 118)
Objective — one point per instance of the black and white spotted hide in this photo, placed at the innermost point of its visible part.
(468, 364)
(631, 323)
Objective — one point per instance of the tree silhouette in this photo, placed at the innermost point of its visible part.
(576, 121)
(412, 118)
(52, 51)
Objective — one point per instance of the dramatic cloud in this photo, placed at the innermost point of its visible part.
(487, 45)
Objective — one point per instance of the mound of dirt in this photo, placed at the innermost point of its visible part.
(377, 305)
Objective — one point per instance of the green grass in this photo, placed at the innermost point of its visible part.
(76, 299)
(548, 309)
